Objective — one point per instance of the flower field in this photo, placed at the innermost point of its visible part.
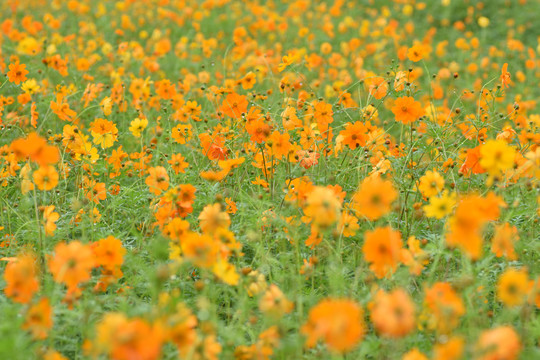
(283, 179)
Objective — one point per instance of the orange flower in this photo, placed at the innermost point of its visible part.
(36, 148)
(263, 349)
(472, 162)
(407, 110)
(314, 238)
(178, 163)
(62, 109)
(33, 115)
(465, 226)
(186, 194)
(298, 190)
(259, 130)
(213, 146)
(248, 81)
(513, 287)
(24, 98)
(165, 89)
(400, 80)
(323, 113)
(503, 241)
(203, 250)
(444, 306)
(452, 349)
(308, 158)
(157, 180)
(505, 77)
(104, 132)
(290, 119)
(96, 192)
(275, 303)
(414, 257)
(181, 329)
(72, 263)
(348, 225)
(53, 355)
(280, 144)
(17, 73)
(322, 206)
(21, 278)
(122, 339)
(176, 229)
(182, 133)
(374, 197)
(39, 319)
(50, 217)
(207, 348)
(392, 313)
(500, 343)
(234, 105)
(354, 135)
(109, 252)
(382, 249)
(286, 60)
(534, 292)
(46, 177)
(337, 322)
(212, 219)
(378, 87)
(416, 52)
(414, 354)
(310, 137)
(214, 175)
(231, 206)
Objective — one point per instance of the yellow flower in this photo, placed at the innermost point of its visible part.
(512, 287)
(106, 105)
(30, 86)
(28, 46)
(226, 272)
(87, 151)
(137, 126)
(104, 133)
(26, 182)
(431, 183)
(483, 21)
(440, 207)
(496, 156)
(285, 61)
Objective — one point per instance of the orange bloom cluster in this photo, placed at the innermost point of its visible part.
(73, 262)
(35, 148)
(286, 179)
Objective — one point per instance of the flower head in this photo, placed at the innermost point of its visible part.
(337, 322)
(407, 110)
